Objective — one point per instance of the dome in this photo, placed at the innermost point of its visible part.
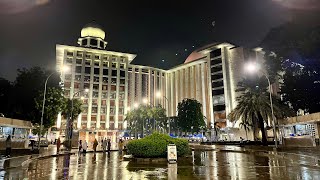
(92, 30)
(193, 56)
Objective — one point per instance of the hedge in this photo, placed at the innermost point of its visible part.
(155, 145)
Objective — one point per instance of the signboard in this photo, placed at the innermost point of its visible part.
(172, 153)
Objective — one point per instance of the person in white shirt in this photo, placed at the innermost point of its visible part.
(84, 146)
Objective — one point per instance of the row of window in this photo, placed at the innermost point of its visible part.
(103, 110)
(102, 118)
(96, 63)
(96, 71)
(95, 56)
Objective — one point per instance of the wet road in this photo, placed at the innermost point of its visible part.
(204, 165)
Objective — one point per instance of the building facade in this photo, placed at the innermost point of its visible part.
(209, 75)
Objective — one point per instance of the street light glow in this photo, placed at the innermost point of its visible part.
(158, 94)
(82, 98)
(136, 105)
(251, 67)
(66, 69)
(128, 108)
(86, 90)
(145, 100)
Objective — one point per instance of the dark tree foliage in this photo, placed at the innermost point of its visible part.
(6, 88)
(190, 117)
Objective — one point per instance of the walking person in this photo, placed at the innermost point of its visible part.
(95, 144)
(58, 145)
(80, 146)
(8, 146)
(104, 145)
(120, 145)
(84, 147)
(109, 145)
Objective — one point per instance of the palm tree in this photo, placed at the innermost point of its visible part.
(246, 126)
(254, 106)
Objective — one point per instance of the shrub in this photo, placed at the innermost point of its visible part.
(155, 145)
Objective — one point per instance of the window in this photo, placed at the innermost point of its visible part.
(105, 64)
(114, 65)
(79, 54)
(95, 87)
(88, 56)
(93, 42)
(69, 60)
(95, 94)
(104, 87)
(95, 79)
(77, 78)
(87, 79)
(215, 53)
(122, 73)
(122, 81)
(121, 96)
(84, 42)
(103, 110)
(96, 63)
(105, 80)
(122, 66)
(69, 53)
(121, 88)
(113, 88)
(105, 72)
(86, 86)
(88, 62)
(94, 109)
(77, 86)
(112, 96)
(113, 80)
(101, 44)
(96, 70)
(94, 101)
(114, 73)
(97, 57)
(67, 77)
(87, 70)
(78, 69)
(104, 95)
(103, 102)
(79, 61)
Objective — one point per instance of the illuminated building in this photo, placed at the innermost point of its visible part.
(209, 75)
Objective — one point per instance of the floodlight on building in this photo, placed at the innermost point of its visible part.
(145, 100)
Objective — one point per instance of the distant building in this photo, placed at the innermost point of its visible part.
(210, 75)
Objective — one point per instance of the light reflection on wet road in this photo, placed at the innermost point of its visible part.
(204, 165)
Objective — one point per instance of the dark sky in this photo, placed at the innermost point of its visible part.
(155, 31)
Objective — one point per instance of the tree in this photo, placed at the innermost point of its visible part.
(246, 126)
(190, 117)
(5, 96)
(146, 118)
(254, 107)
(76, 110)
(54, 104)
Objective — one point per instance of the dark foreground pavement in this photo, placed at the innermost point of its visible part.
(214, 164)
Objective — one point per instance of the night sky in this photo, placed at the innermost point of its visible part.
(167, 31)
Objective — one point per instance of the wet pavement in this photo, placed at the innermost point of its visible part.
(203, 165)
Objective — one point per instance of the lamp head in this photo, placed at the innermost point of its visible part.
(145, 100)
(158, 94)
(66, 69)
(251, 67)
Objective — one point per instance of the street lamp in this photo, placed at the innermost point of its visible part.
(252, 67)
(159, 95)
(64, 69)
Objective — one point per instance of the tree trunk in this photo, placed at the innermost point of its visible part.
(246, 134)
(263, 131)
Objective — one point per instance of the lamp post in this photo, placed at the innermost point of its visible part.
(159, 95)
(252, 67)
(70, 121)
(64, 69)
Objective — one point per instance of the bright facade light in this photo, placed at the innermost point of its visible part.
(86, 90)
(145, 100)
(136, 105)
(128, 108)
(82, 98)
(251, 67)
(158, 94)
(66, 69)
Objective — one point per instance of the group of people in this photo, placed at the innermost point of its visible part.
(106, 145)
